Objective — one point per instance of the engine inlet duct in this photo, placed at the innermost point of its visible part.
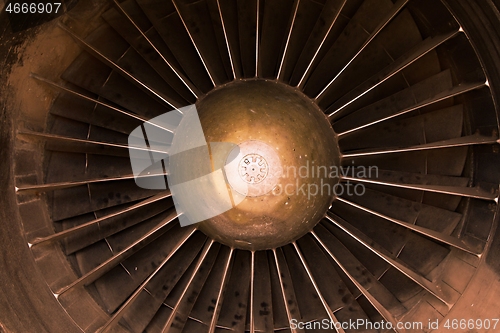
(249, 166)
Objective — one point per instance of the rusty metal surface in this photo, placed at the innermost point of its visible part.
(300, 136)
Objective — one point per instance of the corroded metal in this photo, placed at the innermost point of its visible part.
(257, 114)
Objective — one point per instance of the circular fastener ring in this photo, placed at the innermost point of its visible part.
(253, 168)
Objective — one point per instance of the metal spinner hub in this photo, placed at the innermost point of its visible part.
(279, 132)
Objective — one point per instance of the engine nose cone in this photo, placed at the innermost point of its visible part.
(280, 178)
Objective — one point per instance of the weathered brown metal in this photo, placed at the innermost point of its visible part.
(259, 113)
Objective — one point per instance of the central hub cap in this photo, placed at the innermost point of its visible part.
(253, 168)
(258, 171)
(282, 139)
